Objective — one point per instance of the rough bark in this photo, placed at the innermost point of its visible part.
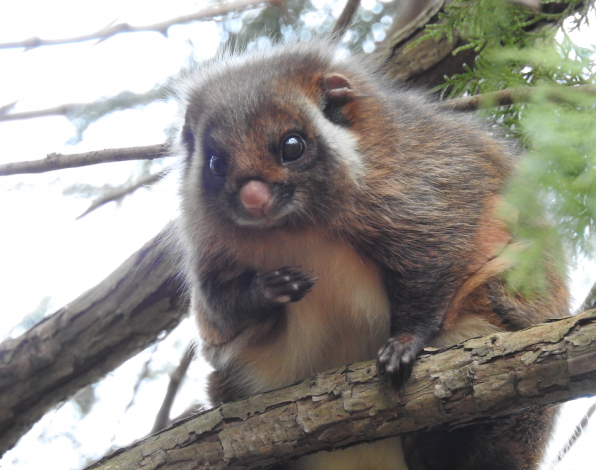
(86, 339)
(429, 62)
(482, 378)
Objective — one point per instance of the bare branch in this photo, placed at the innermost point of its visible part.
(123, 192)
(94, 110)
(143, 374)
(62, 110)
(162, 27)
(577, 432)
(589, 302)
(57, 161)
(163, 415)
(345, 19)
(482, 378)
(7, 108)
(516, 95)
(191, 410)
(87, 338)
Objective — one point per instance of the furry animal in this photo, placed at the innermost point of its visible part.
(330, 217)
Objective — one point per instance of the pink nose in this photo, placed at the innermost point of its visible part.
(255, 197)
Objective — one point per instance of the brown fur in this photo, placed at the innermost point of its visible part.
(382, 234)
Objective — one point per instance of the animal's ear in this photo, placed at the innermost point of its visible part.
(337, 92)
(337, 89)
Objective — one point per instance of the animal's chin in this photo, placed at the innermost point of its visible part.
(263, 221)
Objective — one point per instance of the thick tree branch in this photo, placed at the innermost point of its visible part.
(57, 161)
(87, 338)
(480, 379)
(161, 27)
(403, 64)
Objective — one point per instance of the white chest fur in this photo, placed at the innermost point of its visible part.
(343, 319)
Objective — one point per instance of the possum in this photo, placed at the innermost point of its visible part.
(329, 216)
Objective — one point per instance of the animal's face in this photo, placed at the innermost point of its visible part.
(266, 153)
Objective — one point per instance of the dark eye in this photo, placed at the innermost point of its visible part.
(292, 148)
(217, 165)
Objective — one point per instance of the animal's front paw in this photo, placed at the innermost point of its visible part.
(284, 285)
(396, 359)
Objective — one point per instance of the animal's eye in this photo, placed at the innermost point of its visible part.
(217, 165)
(292, 148)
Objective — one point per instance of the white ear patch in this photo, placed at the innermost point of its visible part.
(342, 142)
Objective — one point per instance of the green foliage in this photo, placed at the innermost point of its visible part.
(556, 182)
(551, 203)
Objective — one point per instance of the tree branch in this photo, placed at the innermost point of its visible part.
(428, 62)
(163, 415)
(517, 95)
(57, 161)
(589, 302)
(62, 110)
(577, 432)
(87, 338)
(480, 379)
(161, 27)
(123, 192)
(345, 19)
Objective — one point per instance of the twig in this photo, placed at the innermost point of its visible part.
(123, 100)
(7, 108)
(345, 19)
(589, 302)
(191, 410)
(142, 376)
(57, 161)
(62, 110)
(122, 192)
(162, 27)
(162, 419)
(514, 95)
(577, 432)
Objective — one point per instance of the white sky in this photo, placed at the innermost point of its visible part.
(44, 251)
